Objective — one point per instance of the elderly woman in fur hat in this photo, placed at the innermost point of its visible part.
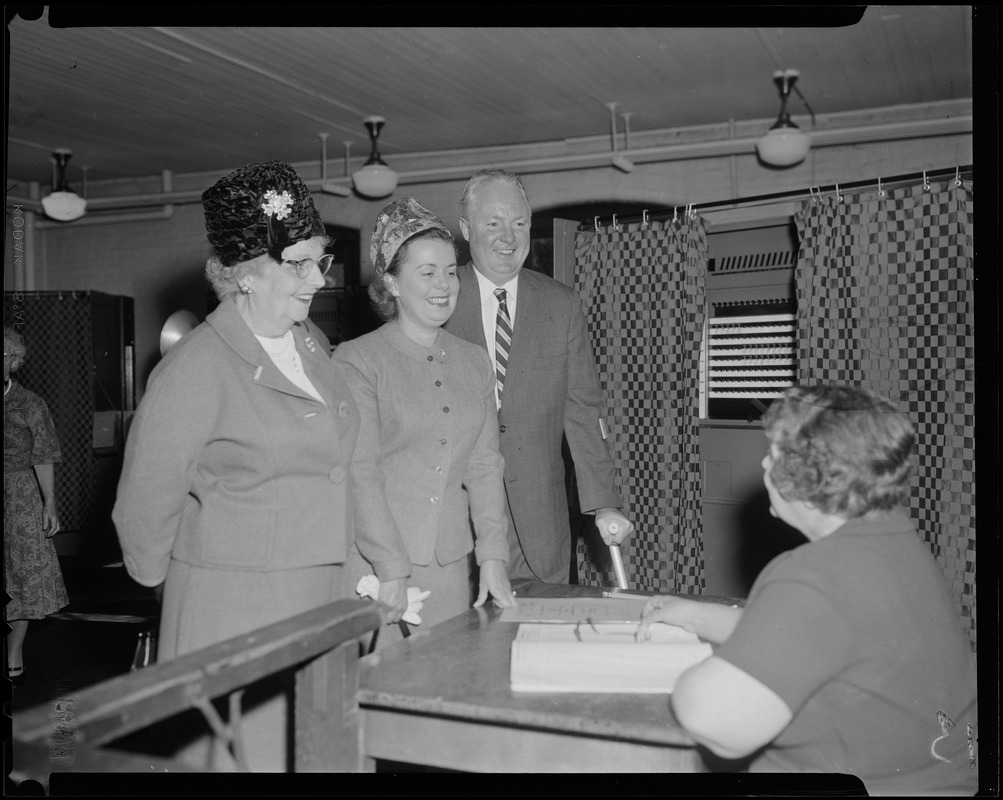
(427, 461)
(234, 489)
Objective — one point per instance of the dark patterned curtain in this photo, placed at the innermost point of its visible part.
(885, 300)
(57, 332)
(643, 287)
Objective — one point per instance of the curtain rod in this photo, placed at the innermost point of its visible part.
(778, 197)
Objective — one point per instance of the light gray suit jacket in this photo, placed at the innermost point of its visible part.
(551, 388)
(426, 463)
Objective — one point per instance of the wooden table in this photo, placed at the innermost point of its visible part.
(441, 698)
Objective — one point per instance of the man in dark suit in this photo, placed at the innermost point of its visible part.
(547, 381)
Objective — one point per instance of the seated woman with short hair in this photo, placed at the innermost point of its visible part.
(849, 656)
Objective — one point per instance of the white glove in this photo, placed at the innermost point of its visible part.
(369, 586)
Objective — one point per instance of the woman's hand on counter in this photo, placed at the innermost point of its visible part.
(494, 581)
(712, 622)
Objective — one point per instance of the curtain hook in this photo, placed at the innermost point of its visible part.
(597, 224)
(692, 212)
(675, 218)
(615, 226)
(644, 219)
(957, 176)
(881, 192)
(926, 182)
(839, 197)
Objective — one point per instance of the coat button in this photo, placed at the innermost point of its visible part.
(337, 475)
(501, 429)
(343, 409)
(430, 358)
(433, 500)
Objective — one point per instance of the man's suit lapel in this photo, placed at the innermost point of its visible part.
(466, 319)
(527, 312)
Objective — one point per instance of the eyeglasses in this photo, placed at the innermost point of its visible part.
(304, 267)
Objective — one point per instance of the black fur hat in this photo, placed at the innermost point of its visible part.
(257, 209)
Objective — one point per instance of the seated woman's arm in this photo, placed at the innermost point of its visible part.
(727, 710)
(712, 622)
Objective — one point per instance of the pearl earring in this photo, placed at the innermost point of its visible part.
(245, 289)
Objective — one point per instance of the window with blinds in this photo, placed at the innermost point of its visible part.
(750, 358)
(749, 347)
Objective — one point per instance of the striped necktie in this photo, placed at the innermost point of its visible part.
(503, 340)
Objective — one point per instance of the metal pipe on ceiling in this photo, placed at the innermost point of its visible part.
(835, 137)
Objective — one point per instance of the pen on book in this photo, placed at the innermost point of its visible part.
(616, 594)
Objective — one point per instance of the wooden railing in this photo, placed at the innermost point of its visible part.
(320, 646)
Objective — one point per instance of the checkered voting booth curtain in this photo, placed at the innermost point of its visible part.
(643, 289)
(885, 300)
(57, 332)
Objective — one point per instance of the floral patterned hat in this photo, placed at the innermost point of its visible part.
(397, 223)
(257, 209)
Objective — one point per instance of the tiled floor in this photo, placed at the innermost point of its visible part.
(91, 640)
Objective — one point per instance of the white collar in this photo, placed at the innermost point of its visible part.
(488, 287)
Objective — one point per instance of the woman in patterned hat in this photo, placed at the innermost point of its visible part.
(427, 459)
(32, 575)
(849, 655)
(234, 489)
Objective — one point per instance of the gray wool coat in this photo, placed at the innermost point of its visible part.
(235, 484)
(427, 462)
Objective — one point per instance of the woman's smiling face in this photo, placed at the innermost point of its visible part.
(281, 297)
(426, 285)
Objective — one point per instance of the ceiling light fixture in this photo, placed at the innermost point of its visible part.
(326, 186)
(62, 204)
(785, 145)
(621, 162)
(374, 179)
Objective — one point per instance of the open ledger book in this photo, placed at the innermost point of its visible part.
(601, 657)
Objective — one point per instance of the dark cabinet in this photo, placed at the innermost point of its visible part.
(80, 360)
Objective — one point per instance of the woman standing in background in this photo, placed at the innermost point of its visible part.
(32, 575)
